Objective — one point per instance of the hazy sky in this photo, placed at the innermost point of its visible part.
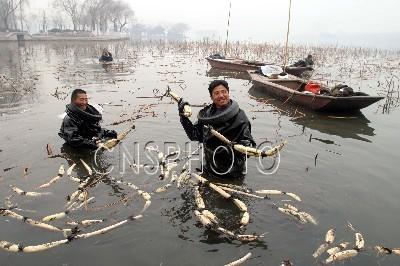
(266, 20)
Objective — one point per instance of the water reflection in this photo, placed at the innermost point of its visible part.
(75, 63)
(392, 98)
(7, 54)
(100, 163)
(219, 73)
(354, 126)
(14, 102)
(17, 78)
(10, 99)
(181, 208)
(177, 205)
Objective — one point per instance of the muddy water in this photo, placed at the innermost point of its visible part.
(345, 169)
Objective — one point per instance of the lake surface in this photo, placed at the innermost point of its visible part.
(344, 167)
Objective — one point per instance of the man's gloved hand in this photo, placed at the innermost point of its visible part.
(181, 105)
(95, 139)
(110, 134)
(233, 143)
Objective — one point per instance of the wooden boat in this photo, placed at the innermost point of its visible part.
(222, 73)
(291, 90)
(352, 125)
(237, 64)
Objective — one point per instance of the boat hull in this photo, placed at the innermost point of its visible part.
(235, 64)
(231, 64)
(281, 89)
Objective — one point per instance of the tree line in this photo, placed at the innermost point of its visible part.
(83, 15)
(98, 16)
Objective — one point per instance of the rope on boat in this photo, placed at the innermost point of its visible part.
(291, 95)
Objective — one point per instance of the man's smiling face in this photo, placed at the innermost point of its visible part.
(81, 101)
(220, 96)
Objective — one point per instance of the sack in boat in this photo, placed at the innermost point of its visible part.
(217, 56)
(271, 71)
(342, 91)
(312, 87)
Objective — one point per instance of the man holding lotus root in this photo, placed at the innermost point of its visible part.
(224, 116)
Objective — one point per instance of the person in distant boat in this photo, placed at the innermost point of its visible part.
(80, 127)
(309, 60)
(225, 116)
(306, 62)
(106, 56)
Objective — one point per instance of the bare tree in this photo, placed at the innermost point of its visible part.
(71, 7)
(127, 15)
(115, 9)
(7, 12)
(44, 21)
(34, 21)
(120, 14)
(84, 14)
(103, 15)
(22, 13)
(58, 21)
(90, 9)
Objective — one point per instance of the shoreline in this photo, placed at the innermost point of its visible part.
(27, 37)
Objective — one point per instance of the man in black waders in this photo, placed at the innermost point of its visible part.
(80, 127)
(225, 116)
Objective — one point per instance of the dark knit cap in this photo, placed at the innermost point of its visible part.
(216, 83)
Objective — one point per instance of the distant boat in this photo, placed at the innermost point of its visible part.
(291, 90)
(242, 65)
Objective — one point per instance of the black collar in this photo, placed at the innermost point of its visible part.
(90, 115)
(209, 116)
